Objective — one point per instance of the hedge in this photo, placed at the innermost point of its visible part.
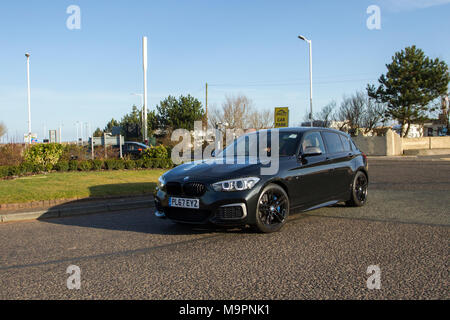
(44, 155)
(62, 166)
(87, 165)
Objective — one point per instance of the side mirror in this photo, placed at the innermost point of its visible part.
(312, 151)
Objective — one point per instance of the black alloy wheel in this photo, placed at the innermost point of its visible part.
(272, 210)
(359, 190)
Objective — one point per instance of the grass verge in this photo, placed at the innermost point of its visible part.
(69, 185)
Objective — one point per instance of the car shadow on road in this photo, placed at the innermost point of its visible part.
(120, 214)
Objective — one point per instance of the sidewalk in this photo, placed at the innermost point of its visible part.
(443, 157)
(77, 207)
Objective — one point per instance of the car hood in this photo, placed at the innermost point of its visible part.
(213, 170)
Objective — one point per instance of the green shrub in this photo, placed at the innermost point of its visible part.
(130, 164)
(157, 163)
(38, 168)
(14, 171)
(159, 152)
(167, 163)
(111, 164)
(62, 166)
(139, 163)
(85, 165)
(45, 155)
(97, 164)
(73, 165)
(120, 164)
(147, 163)
(26, 167)
(4, 171)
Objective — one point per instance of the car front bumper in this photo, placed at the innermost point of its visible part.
(221, 208)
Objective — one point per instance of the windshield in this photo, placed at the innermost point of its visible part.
(247, 145)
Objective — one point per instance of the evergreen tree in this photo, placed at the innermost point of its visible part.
(179, 113)
(411, 83)
(98, 132)
(112, 123)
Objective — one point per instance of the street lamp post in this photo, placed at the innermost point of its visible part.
(310, 78)
(78, 136)
(29, 101)
(144, 63)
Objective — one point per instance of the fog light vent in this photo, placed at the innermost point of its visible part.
(227, 212)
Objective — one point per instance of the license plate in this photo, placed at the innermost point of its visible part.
(184, 203)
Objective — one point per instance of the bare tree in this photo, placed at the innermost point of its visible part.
(260, 119)
(2, 129)
(323, 118)
(325, 115)
(239, 112)
(359, 111)
(372, 115)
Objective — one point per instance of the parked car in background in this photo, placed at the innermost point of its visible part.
(133, 149)
(317, 167)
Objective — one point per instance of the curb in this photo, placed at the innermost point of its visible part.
(42, 204)
(75, 211)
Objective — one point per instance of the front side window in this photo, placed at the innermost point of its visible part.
(313, 139)
(334, 144)
(246, 144)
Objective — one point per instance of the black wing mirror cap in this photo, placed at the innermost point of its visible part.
(312, 151)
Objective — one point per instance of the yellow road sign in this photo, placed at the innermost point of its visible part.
(281, 117)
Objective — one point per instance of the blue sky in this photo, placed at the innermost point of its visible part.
(238, 47)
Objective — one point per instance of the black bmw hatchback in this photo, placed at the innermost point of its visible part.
(315, 167)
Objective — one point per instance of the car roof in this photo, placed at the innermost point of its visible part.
(307, 129)
(135, 142)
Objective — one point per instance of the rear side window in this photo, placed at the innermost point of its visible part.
(354, 147)
(345, 142)
(313, 139)
(333, 142)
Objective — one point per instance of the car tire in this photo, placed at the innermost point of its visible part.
(359, 190)
(272, 210)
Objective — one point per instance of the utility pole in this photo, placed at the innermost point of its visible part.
(29, 93)
(144, 62)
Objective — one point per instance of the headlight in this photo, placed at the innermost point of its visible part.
(236, 184)
(161, 182)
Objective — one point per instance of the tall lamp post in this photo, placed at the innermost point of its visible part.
(29, 102)
(144, 63)
(310, 78)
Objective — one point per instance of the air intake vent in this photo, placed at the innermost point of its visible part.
(230, 212)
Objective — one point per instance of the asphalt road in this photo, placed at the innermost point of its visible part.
(322, 254)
